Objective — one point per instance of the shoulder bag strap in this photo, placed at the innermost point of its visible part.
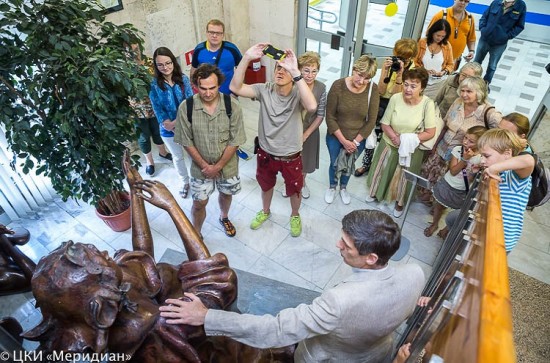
(485, 116)
(219, 54)
(422, 126)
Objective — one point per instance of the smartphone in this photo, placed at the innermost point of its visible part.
(273, 52)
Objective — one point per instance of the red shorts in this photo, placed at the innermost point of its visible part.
(268, 166)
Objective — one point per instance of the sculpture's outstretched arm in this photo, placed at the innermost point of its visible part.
(142, 239)
(157, 194)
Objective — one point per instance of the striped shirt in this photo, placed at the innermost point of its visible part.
(514, 195)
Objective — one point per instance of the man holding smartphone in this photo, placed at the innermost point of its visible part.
(279, 130)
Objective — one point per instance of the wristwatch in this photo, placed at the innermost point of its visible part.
(297, 78)
(357, 143)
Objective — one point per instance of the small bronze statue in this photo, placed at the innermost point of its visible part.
(16, 268)
(93, 303)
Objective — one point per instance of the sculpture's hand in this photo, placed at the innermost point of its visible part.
(155, 193)
(132, 175)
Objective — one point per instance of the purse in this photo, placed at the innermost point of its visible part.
(439, 124)
(370, 142)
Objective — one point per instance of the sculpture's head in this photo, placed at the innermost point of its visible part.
(78, 289)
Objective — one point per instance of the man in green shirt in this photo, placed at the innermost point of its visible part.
(211, 138)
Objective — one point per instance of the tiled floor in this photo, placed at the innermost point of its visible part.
(312, 260)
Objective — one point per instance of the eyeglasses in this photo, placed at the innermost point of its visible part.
(218, 34)
(310, 71)
(164, 65)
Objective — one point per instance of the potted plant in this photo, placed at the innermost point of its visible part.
(66, 78)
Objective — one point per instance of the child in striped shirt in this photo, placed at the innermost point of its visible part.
(499, 155)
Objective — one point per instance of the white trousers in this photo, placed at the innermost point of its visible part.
(178, 158)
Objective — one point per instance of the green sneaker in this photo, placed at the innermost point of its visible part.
(295, 226)
(260, 218)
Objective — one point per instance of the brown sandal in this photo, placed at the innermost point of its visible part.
(429, 231)
(229, 228)
(443, 233)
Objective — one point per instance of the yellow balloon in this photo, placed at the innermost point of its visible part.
(391, 9)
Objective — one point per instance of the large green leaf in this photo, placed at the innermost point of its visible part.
(66, 76)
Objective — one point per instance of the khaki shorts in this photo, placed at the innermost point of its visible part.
(201, 189)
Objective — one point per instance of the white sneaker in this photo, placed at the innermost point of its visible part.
(329, 195)
(305, 192)
(370, 199)
(346, 199)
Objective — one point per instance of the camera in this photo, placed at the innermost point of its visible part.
(395, 65)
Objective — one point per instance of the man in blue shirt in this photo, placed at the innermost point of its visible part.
(216, 51)
(503, 20)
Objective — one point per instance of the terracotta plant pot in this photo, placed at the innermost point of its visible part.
(118, 222)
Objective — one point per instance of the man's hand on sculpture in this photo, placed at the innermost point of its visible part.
(189, 310)
(155, 193)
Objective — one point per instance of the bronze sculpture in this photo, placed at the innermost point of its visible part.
(16, 268)
(93, 303)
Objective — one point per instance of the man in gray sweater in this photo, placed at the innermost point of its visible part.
(351, 322)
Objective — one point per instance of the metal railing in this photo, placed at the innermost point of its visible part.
(469, 318)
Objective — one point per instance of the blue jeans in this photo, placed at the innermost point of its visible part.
(334, 148)
(495, 52)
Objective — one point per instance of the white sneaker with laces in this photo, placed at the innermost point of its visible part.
(346, 199)
(370, 199)
(305, 192)
(329, 195)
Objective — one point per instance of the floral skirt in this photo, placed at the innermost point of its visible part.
(433, 169)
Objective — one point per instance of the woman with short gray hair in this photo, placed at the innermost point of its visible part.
(448, 92)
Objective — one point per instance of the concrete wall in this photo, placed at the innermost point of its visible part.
(181, 24)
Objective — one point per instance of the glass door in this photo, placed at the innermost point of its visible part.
(342, 30)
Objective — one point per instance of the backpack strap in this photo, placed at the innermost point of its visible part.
(189, 102)
(227, 102)
(470, 21)
(464, 171)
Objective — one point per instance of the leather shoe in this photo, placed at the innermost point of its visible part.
(150, 170)
(360, 171)
(167, 156)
